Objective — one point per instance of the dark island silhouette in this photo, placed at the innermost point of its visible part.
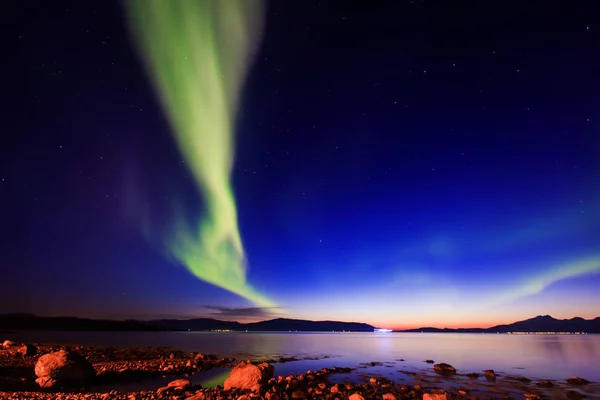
(539, 324)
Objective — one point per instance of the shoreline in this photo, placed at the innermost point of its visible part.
(119, 368)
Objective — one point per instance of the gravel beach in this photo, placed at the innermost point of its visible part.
(51, 371)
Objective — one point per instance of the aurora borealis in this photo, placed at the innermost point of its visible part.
(413, 164)
(197, 54)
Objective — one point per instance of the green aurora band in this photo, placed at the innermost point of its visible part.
(197, 53)
(540, 281)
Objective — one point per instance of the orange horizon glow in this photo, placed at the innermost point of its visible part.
(484, 324)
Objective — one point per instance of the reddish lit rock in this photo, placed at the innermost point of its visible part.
(64, 366)
(435, 395)
(246, 375)
(180, 384)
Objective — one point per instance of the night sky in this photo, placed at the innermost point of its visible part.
(400, 163)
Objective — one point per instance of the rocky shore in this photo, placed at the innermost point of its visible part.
(46, 371)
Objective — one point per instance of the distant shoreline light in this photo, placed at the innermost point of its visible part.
(381, 330)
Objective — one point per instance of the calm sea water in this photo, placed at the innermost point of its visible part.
(533, 356)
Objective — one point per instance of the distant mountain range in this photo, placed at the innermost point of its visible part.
(540, 323)
(33, 322)
(279, 324)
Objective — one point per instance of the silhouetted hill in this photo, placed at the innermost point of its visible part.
(280, 324)
(545, 323)
(284, 324)
(447, 330)
(196, 324)
(32, 322)
(541, 323)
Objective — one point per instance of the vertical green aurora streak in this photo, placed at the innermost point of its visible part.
(197, 53)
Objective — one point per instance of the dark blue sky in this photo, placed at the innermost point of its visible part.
(402, 164)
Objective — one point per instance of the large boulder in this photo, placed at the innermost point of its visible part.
(64, 367)
(444, 369)
(246, 375)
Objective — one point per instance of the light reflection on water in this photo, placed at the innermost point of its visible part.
(534, 356)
